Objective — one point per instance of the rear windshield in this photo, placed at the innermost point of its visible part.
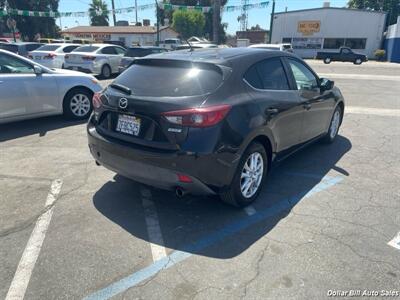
(48, 48)
(86, 49)
(184, 78)
(137, 52)
(11, 48)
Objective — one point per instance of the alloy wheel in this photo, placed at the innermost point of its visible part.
(80, 105)
(334, 124)
(251, 175)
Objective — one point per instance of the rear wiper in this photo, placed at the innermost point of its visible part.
(121, 88)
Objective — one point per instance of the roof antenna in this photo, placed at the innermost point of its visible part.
(191, 48)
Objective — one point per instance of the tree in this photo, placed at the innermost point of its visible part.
(97, 12)
(30, 26)
(392, 7)
(208, 28)
(257, 27)
(188, 23)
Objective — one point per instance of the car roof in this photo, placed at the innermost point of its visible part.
(25, 43)
(223, 56)
(145, 47)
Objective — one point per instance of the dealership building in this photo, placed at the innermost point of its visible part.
(129, 35)
(328, 29)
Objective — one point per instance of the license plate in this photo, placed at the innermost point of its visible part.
(128, 124)
(38, 57)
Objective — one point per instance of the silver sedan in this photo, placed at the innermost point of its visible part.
(98, 59)
(29, 90)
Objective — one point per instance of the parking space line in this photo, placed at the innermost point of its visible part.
(28, 260)
(372, 111)
(153, 226)
(209, 240)
(395, 242)
(250, 210)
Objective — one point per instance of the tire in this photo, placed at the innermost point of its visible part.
(105, 72)
(358, 61)
(334, 126)
(327, 60)
(77, 104)
(234, 195)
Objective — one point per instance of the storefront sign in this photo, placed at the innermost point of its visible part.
(308, 27)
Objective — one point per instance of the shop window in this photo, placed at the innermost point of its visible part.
(355, 43)
(333, 43)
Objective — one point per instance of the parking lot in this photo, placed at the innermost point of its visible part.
(71, 230)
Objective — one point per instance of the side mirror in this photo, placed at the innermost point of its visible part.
(326, 84)
(37, 70)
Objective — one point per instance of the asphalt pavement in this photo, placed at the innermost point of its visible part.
(324, 224)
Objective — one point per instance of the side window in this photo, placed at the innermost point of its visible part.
(268, 74)
(252, 77)
(69, 49)
(109, 50)
(305, 79)
(119, 51)
(31, 47)
(12, 65)
(345, 51)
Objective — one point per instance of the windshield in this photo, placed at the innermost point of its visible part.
(184, 79)
(137, 52)
(9, 47)
(86, 49)
(48, 48)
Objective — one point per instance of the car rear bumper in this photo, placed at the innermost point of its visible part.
(142, 166)
(89, 68)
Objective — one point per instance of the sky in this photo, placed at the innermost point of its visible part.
(259, 16)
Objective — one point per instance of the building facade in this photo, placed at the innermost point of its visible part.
(392, 42)
(328, 29)
(129, 35)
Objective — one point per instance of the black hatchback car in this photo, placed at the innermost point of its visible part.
(211, 121)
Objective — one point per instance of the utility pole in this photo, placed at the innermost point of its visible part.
(113, 13)
(136, 10)
(216, 20)
(158, 24)
(271, 24)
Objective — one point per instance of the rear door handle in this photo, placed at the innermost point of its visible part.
(271, 111)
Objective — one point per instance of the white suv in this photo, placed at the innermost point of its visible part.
(98, 59)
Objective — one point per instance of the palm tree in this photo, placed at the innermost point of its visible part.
(97, 12)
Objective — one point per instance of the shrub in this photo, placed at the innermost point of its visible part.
(380, 54)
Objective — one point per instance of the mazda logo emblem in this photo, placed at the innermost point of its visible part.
(123, 103)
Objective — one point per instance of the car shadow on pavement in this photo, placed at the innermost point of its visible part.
(39, 126)
(206, 226)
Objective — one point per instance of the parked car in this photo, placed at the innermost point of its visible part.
(280, 47)
(21, 48)
(196, 46)
(50, 41)
(29, 90)
(5, 40)
(98, 59)
(134, 52)
(82, 41)
(171, 44)
(344, 54)
(52, 55)
(211, 121)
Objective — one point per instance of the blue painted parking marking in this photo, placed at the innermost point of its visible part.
(209, 240)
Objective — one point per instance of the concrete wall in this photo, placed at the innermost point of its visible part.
(334, 23)
(392, 42)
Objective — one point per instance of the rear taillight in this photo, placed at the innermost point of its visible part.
(88, 57)
(198, 117)
(97, 100)
(50, 56)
